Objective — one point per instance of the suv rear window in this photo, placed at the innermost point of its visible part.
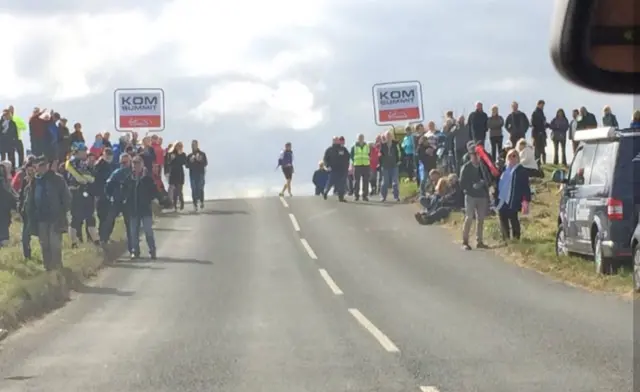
(605, 155)
(627, 170)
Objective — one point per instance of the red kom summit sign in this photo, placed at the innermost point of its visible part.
(398, 102)
(139, 109)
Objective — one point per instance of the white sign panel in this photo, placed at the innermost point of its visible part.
(139, 109)
(398, 102)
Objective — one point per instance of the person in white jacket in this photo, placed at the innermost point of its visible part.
(528, 159)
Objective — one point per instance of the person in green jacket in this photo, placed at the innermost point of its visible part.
(361, 161)
(22, 126)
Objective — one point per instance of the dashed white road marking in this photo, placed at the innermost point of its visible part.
(384, 341)
(294, 222)
(330, 282)
(284, 202)
(307, 247)
(429, 389)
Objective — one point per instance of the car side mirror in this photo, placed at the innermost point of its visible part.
(559, 177)
(594, 44)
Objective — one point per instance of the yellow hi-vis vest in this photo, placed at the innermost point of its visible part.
(361, 155)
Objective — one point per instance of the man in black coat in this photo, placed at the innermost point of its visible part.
(478, 124)
(336, 160)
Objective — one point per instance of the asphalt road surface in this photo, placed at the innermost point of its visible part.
(304, 295)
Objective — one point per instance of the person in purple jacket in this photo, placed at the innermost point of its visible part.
(285, 161)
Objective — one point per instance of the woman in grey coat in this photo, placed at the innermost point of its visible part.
(495, 124)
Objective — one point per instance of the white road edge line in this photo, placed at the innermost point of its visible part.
(429, 389)
(294, 222)
(384, 341)
(307, 247)
(330, 282)
(284, 202)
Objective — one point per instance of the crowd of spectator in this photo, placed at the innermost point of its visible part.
(63, 174)
(467, 164)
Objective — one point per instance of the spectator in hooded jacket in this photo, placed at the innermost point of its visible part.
(559, 127)
(320, 178)
(20, 182)
(478, 124)
(429, 161)
(609, 119)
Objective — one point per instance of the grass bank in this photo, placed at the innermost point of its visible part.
(536, 248)
(28, 291)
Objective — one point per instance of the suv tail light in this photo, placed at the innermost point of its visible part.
(614, 209)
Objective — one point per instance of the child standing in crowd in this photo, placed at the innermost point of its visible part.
(320, 178)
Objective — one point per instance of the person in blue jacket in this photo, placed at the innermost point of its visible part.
(285, 161)
(320, 178)
(514, 195)
(635, 123)
(115, 195)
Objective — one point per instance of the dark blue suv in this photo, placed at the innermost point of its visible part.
(600, 197)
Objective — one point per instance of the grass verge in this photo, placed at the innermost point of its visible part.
(536, 249)
(28, 291)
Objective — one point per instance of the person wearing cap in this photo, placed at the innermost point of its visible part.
(361, 170)
(476, 199)
(390, 159)
(336, 160)
(79, 180)
(139, 192)
(46, 205)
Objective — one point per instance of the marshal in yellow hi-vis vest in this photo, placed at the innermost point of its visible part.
(360, 155)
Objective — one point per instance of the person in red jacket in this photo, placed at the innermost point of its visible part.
(98, 146)
(374, 162)
(37, 132)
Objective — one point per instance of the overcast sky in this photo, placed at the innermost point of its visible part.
(245, 76)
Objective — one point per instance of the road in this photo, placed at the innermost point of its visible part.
(303, 295)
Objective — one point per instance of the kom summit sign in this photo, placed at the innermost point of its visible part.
(398, 102)
(139, 109)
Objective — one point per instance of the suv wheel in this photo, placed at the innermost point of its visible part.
(604, 265)
(561, 242)
(636, 268)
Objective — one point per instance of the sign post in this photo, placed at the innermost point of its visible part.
(139, 109)
(398, 102)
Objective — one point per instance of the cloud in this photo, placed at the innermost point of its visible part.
(507, 85)
(245, 76)
(290, 104)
